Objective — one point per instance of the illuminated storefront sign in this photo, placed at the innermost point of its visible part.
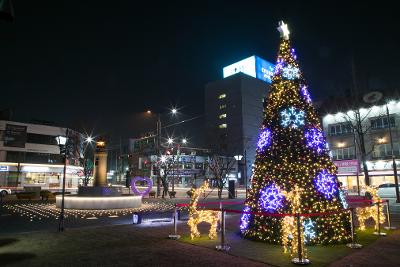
(347, 166)
(3, 168)
(253, 66)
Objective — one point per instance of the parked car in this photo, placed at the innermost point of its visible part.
(5, 191)
(387, 190)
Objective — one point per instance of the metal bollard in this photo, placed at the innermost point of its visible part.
(175, 216)
(389, 227)
(223, 246)
(220, 218)
(378, 222)
(299, 260)
(353, 243)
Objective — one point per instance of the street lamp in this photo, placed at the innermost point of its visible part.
(170, 141)
(184, 141)
(62, 143)
(238, 158)
(174, 111)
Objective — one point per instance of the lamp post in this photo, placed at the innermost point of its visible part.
(62, 143)
(396, 180)
(238, 158)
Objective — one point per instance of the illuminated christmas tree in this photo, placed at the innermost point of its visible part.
(293, 156)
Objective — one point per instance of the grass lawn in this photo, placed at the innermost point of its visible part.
(273, 254)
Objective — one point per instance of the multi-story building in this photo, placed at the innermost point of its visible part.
(187, 165)
(30, 156)
(344, 142)
(234, 110)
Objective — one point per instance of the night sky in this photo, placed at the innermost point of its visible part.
(96, 65)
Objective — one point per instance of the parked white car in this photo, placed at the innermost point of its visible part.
(5, 191)
(387, 190)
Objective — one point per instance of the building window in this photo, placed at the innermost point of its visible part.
(222, 116)
(382, 122)
(41, 139)
(221, 96)
(222, 106)
(343, 153)
(338, 129)
(384, 150)
(222, 126)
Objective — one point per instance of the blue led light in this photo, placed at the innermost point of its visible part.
(292, 117)
(265, 139)
(290, 72)
(244, 220)
(315, 139)
(342, 198)
(271, 198)
(326, 184)
(306, 95)
(309, 230)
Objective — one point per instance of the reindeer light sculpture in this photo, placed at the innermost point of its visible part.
(197, 216)
(364, 213)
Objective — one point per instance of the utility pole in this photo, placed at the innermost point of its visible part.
(158, 151)
(396, 179)
(245, 170)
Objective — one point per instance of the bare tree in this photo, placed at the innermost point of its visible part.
(220, 166)
(361, 128)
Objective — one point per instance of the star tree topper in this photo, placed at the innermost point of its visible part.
(283, 29)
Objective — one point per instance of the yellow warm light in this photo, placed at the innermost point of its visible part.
(289, 227)
(382, 140)
(364, 213)
(198, 216)
(341, 144)
(100, 143)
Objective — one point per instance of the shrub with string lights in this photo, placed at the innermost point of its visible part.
(292, 153)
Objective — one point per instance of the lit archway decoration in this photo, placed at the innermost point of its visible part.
(147, 190)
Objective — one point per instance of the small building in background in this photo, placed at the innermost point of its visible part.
(30, 156)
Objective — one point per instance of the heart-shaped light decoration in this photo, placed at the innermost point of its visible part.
(136, 191)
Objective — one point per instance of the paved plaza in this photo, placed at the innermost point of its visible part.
(110, 239)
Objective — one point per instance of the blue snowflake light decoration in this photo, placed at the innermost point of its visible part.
(315, 139)
(265, 139)
(306, 95)
(290, 72)
(244, 220)
(292, 117)
(271, 198)
(309, 230)
(325, 184)
(342, 198)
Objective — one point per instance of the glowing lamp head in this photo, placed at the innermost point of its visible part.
(170, 141)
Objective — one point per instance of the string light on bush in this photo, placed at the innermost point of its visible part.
(292, 117)
(326, 184)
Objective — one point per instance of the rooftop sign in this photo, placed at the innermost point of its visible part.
(253, 66)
